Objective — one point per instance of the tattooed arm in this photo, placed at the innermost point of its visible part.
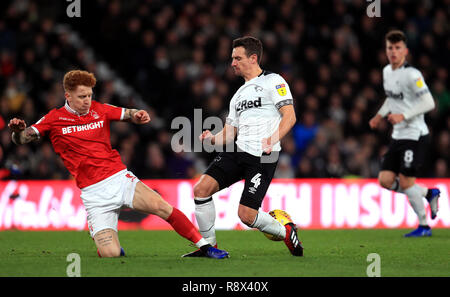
(136, 116)
(21, 134)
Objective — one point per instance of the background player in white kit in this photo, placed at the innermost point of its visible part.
(408, 99)
(261, 113)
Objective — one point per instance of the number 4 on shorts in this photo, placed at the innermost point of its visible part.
(256, 180)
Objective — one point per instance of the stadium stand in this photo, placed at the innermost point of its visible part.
(172, 57)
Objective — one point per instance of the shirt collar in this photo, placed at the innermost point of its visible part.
(404, 65)
(73, 111)
(259, 75)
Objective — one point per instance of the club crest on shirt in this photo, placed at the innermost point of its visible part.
(94, 114)
(281, 89)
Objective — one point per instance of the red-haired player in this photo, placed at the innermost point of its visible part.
(80, 134)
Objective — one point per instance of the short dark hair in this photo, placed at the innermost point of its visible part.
(395, 36)
(252, 46)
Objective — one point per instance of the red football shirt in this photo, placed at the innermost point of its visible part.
(83, 141)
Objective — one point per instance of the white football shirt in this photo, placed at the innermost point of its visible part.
(254, 110)
(403, 87)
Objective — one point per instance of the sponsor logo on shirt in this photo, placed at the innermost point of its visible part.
(66, 119)
(79, 128)
(244, 104)
(393, 95)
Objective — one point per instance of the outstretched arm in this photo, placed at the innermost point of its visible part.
(226, 135)
(136, 116)
(21, 134)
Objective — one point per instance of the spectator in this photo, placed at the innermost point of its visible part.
(177, 57)
(305, 131)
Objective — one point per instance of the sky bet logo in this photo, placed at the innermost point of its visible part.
(244, 104)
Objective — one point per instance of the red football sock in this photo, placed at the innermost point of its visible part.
(181, 224)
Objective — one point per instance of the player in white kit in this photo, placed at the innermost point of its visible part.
(261, 113)
(407, 100)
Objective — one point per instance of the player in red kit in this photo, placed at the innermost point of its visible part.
(80, 134)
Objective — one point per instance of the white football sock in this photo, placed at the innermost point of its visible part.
(397, 188)
(205, 213)
(201, 243)
(264, 222)
(423, 190)
(415, 194)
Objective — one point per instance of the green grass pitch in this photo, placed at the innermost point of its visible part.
(328, 253)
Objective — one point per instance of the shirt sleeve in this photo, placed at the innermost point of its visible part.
(424, 105)
(423, 100)
(280, 92)
(113, 113)
(417, 84)
(44, 125)
(384, 109)
(232, 118)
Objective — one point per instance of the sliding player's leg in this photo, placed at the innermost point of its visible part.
(103, 228)
(108, 245)
(148, 201)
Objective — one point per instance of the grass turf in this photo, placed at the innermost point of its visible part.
(157, 253)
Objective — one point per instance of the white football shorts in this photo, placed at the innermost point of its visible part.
(104, 200)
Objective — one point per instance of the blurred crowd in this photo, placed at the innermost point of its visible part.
(176, 55)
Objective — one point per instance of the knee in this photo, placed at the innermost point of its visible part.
(201, 190)
(246, 218)
(406, 182)
(205, 187)
(386, 182)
